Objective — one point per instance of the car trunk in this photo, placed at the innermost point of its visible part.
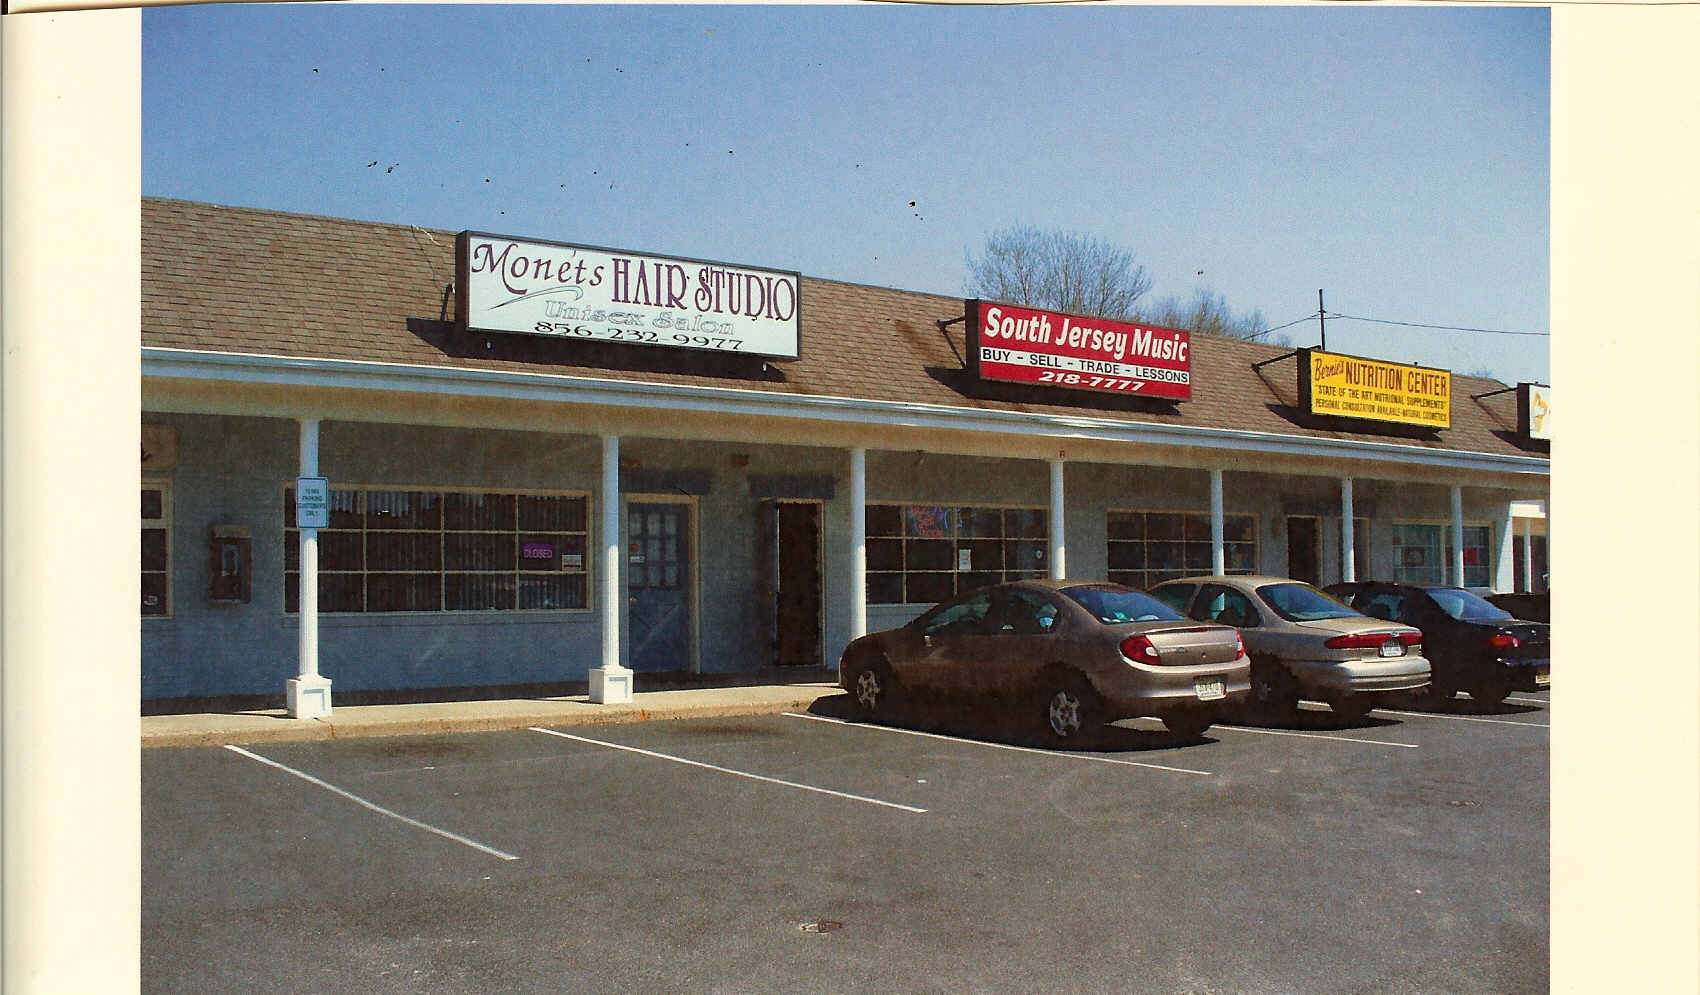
(1184, 645)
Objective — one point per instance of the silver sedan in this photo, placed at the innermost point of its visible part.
(1303, 643)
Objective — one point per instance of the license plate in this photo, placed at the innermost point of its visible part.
(1209, 689)
(1393, 647)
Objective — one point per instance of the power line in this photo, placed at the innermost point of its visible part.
(1449, 328)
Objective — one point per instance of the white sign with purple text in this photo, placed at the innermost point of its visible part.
(577, 292)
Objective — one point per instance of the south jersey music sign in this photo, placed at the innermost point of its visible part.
(1014, 344)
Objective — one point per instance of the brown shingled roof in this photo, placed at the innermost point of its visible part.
(243, 280)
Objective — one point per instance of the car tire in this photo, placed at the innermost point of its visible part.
(1491, 691)
(1188, 725)
(1070, 711)
(1274, 691)
(871, 684)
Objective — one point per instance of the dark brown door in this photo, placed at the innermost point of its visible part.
(1301, 550)
(797, 583)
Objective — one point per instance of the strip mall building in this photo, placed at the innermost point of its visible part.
(524, 461)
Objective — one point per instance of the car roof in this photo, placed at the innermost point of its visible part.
(1254, 579)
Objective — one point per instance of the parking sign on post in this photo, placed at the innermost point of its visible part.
(312, 503)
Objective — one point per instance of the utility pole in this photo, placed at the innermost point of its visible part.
(1322, 319)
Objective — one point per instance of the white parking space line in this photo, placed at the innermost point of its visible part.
(999, 746)
(1470, 718)
(1315, 735)
(492, 851)
(728, 770)
(1530, 701)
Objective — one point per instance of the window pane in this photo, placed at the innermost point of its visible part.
(153, 504)
(154, 549)
(1127, 556)
(154, 588)
(930, 554)
(557, 592)
(478, 512)
(345, 509)
(404, 592)
(1127, 525)
(337, 592)
(979, 523)
(1166, 525)
(404, 551)
(884, 520)
(337, 551)
(983, 554)
(885, 554)
(1198, 556)
(1196, 527)
(1239, 528)
(970, 581)
(929, 523)
(401, 510)
(927, 588)
(478, 592)
(1025, 555)
(551, 514)
(472, 551)
(1025, 523)
(885, 589)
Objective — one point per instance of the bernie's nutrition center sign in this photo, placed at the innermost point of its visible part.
(579, 292)
(1021, 345)
(1349, 387)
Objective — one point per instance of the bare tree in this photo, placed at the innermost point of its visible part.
(1058, 271)
(1207, 314)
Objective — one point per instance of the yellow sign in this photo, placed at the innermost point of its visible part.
(1349, 387)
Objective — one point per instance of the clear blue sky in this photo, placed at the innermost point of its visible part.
(1397, 158)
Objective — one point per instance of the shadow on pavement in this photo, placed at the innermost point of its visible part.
(1002, 722)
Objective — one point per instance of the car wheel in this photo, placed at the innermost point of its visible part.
(1491, 691)
(1351, 706)
(1190, 725)
(1274, 692)
(1070, 711)
(871, 684)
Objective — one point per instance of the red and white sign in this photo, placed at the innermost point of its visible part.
(1017, 344)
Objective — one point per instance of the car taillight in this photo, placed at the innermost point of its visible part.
(1139, 649)
(1239, 645)
(1504, 641)
(1412, 639)
(1359, 641)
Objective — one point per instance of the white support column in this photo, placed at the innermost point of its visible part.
(1059, 546)
(611, 683)
(1505, 559)
(858, 543)
(1218, 552)
(1458, 535)
(308, 695)
(1348, 533)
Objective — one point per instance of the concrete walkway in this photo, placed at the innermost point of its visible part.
(348, 722)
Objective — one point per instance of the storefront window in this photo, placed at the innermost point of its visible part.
(156, 550)
(1422, 554)
(1149, 547)
(432, 551)
(922, 554)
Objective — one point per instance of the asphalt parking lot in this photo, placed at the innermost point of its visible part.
(1403, 853)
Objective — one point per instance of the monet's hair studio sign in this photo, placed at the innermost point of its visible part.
(579, 292)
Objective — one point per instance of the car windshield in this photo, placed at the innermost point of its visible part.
(1110, 604)
(1466, 607)
(1302, 603)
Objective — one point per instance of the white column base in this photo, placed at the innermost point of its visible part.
(610, 685)
(308, 697)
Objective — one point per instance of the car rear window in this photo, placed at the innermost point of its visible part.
(1467, 607)
(1302, 603)
(1111, 604)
